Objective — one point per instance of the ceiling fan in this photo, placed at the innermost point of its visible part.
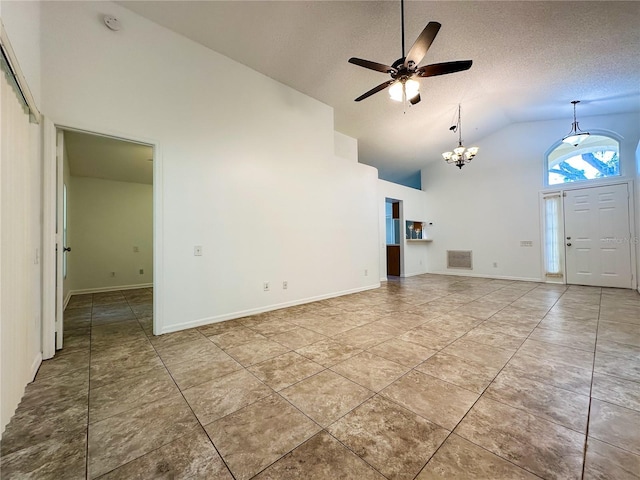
(405, 70)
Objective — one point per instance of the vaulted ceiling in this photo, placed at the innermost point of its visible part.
(530, 59)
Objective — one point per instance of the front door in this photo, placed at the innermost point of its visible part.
(597, 236)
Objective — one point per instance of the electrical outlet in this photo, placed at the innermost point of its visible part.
(197, 251)
(136, 249)
(142, 271)
(495, 264)
(285, 285)
(366, 272)
(265, 286)
(112, 274)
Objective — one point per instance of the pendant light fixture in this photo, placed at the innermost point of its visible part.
(461, 155)
(575, 136)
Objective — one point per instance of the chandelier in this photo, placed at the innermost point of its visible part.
(576, 136)
(461, 155)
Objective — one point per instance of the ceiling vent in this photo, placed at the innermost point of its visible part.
(459, 259)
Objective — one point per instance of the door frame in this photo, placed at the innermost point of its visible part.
(51, 186)
(632, 225)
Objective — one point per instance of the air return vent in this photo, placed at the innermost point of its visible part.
(459, 259)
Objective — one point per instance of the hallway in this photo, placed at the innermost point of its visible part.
(426, 377)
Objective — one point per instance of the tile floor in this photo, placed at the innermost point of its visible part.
(428, 377)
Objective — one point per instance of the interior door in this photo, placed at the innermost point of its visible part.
(60, 247)
(597, 236)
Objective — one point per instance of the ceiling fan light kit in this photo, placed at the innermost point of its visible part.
(576, 136)
(405, 72)
(460, 155)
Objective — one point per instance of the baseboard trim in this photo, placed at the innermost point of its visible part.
(254, 311)
(35, 366)
(384, 279)
(407, 275)
(109, 289)
(66, 300)
(493, 277)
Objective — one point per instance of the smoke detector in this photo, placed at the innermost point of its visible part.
(112, 23)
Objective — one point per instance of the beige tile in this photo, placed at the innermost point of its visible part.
(325, 397)
(543, 370)
(285, 370)
(370, 371)
(56, 388)
(177, 338)
(558, 353)
(464, 373)
(63, 364)
(580, 341)
(618, 391)
(203, 369)
(494, 339)
(36, 424)
(259, 434)
(133, 392)
(617, 366)
(605, 462)
(127, 436)
(395, 441)
(173, 354)
(617, 426)
(405, 353)
(432, 339)
(225, 395)
(366, 336)
(298, 337)
(440, 402)
(53, 459)
(235, 337)
(458, 458)
(220, 327)
(545, 401)
(190, 456)
(539, 446)
(322, 457)
(627, 333)
(493, 357)
(328, 352)
(273, 327)
(131, 365)
(256, 351)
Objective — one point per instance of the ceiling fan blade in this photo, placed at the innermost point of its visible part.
(415, 99)
(422, 44)
(380, 87)
(444, 68)
(379, 67)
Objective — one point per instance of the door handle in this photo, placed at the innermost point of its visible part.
(66, 249)
(568, 244)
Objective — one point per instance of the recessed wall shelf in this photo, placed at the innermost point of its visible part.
(415, 231)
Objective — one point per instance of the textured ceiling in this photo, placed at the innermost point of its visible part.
(530, 59)
(108, 158)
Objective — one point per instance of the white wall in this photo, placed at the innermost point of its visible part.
(245, 166)
(106, 220)
(20, 201)
(414, 256)
(492, 204)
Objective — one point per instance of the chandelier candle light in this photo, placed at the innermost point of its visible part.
(461, 155)
(575, 136)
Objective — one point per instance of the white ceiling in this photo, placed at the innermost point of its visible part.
(108, 158)
(530, 59)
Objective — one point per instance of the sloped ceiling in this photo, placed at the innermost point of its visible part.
(530, 60)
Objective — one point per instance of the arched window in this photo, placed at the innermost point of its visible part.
(597, 157)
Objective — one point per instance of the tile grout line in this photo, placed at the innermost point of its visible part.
(593, 367)
(483, 392)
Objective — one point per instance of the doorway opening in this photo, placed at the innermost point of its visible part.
(394, 244)
(104, 231)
